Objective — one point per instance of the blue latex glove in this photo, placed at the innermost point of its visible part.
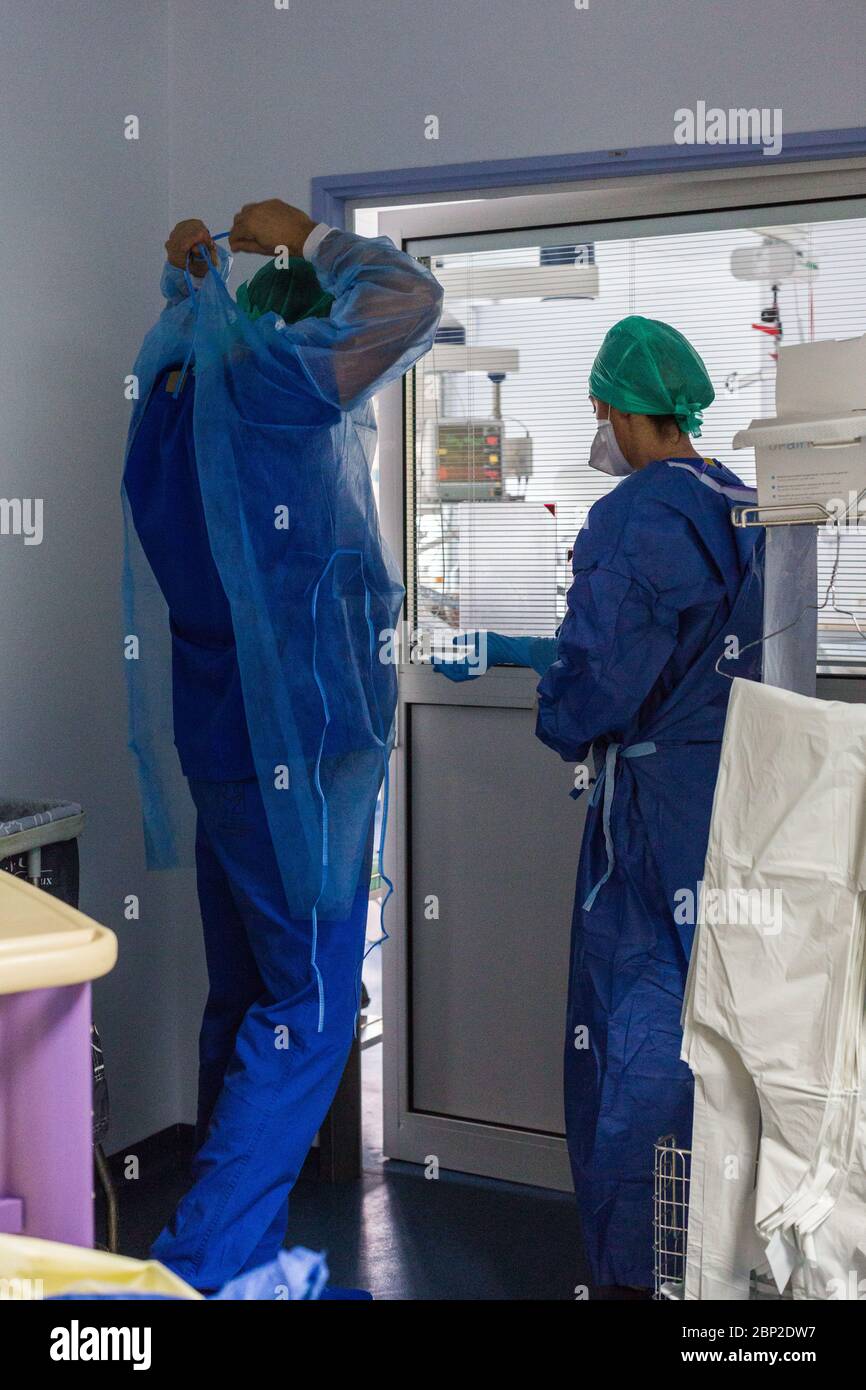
(535, 652)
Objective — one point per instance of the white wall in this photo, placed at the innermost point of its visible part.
(263, 100)
(240, 101)
(82, 219)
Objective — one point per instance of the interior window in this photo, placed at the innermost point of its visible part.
(502, 424)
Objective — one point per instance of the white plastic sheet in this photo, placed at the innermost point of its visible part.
(774, 1011)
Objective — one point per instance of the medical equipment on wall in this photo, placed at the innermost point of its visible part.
(561, 272)
(782, 258)
(814, 449)
(468, 457)
(471, 459)
(467, 463)
(811, 471)
(782, 255)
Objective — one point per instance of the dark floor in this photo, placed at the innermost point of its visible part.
(403, 1237)
(399, 1234)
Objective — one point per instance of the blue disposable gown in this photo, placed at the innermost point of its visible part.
(162, 487)
(661, 580)
(284, 435)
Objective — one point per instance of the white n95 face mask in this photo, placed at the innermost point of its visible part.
(606, 455)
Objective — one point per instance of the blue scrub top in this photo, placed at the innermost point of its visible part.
(210, 727)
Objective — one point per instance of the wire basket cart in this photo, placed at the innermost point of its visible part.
(671, 1176)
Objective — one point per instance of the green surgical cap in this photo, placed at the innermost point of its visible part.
(645, 367)
(293, 292)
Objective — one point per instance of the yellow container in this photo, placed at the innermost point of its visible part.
(33, 1269)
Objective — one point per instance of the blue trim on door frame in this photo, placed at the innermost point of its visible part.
(331, 193)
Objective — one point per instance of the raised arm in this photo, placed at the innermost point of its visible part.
(386, 306)
(189, 235)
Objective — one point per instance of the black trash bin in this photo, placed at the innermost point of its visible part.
(39, 842)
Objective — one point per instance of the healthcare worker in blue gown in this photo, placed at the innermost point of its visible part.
(261, 1102)
(664, 588)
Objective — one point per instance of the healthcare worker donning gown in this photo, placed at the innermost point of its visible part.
(664, 585)
(247, 482)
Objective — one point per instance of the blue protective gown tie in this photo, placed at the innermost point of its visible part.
(191, 290)
(607, 779)
(318, 768)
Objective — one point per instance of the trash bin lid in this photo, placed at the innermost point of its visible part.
(44, 942)
(26, 825)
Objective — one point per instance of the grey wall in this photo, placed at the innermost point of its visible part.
(239, 101)
(82, 219)
(267, 99)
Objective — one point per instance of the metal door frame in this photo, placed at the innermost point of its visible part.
(412, 1135)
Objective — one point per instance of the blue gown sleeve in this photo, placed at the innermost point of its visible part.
(622, 623)
(173, 286)
(535, 652)
(384, 317)
(542, 653)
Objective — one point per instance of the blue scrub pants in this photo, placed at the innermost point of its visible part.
(267, 1076)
